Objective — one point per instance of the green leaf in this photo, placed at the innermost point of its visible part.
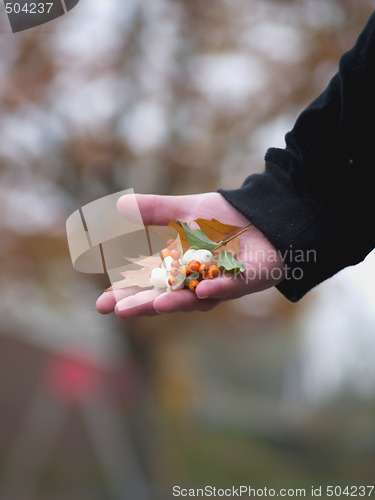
(197, 239)
(228, 262)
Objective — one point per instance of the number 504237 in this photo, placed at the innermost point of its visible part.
(31, 8)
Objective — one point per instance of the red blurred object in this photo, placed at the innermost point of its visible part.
(73, 378)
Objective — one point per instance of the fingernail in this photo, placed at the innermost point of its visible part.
(156, 305)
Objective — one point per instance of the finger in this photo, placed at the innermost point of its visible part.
(223, 288)
(107, 301)
(139, 304)
(182, 301)
(228, 287)
(155, 209)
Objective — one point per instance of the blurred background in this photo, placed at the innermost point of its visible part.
(168, 97)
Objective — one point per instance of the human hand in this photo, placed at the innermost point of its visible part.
(263, 264)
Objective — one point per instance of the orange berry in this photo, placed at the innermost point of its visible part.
(185, 271)
(193, 285)
(203, 268)
(213, 271)
(172, 281)
(194, 265)
(174, 271)
(175, 263)
(171, 243)
(165, 253)
(175, 254)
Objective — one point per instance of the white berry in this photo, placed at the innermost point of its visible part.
(167, 263)
(158, 278)
(204, 257)
(188, 256)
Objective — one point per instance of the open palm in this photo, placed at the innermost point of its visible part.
(263, 264)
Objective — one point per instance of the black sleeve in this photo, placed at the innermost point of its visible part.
(314, 200)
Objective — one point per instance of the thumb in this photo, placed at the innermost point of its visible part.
(155, 209)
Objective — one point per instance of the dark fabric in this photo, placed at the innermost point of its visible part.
(317, 193)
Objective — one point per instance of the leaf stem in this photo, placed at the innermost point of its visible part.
(230, 238)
